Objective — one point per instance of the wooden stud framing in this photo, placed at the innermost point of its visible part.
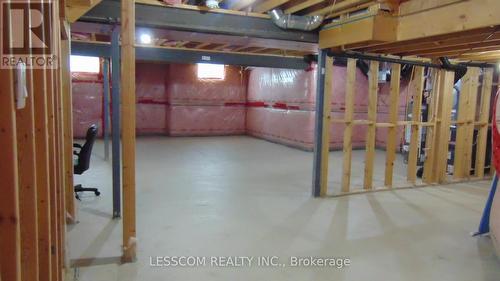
(393, 119)
(372, 118)
(484, 113)
(348, 118)
(128, 128)
(10, 259)
(31, 167)
(465, 124)
(417, 85)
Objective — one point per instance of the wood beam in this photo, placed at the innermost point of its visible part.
(239, 5)
(302, 5)
(76, 10)
(268, 5)
(128, 128)
(448, 19)
(338, 7)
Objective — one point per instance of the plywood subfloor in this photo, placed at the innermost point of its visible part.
(240, 196)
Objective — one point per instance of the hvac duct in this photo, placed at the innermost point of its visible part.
(289, 21)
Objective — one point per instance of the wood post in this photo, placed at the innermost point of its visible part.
(128, 128)
(393, 119)
(372, 119)
(417, 85)
(484, 115)
(348, 119)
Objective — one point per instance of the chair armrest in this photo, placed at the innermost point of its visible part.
(77, 145)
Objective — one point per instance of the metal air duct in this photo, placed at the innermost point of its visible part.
(289, 21)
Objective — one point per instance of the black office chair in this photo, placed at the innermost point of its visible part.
(83, 153)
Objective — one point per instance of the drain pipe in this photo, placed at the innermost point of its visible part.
(306, 23)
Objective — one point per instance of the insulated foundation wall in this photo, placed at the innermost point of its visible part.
(286, 100)
(296, 127)
(201, 107)
(151, 109)
(171, 100)
(206, 120)
(87, 102)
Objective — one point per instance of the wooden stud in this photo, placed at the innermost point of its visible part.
(325, 149)
(10, 243)
(393, 119)
(465, 122)
(128, 128)
(68, 129)
(54, 183)
(27, 184)
(348, 117)
(443, 123)
(371, 131)
(417, 85)
(484, 114)
(430, 133)
(61, 189)
(43, 175)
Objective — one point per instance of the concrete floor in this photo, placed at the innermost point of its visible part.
(240, 196)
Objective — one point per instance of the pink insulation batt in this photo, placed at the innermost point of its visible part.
(184, 87)
(298, 87)
(87, 102)
(296, 127)
(200, 107)
(151, 111)
(204, 120)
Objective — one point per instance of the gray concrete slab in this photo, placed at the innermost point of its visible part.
(240, 196)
